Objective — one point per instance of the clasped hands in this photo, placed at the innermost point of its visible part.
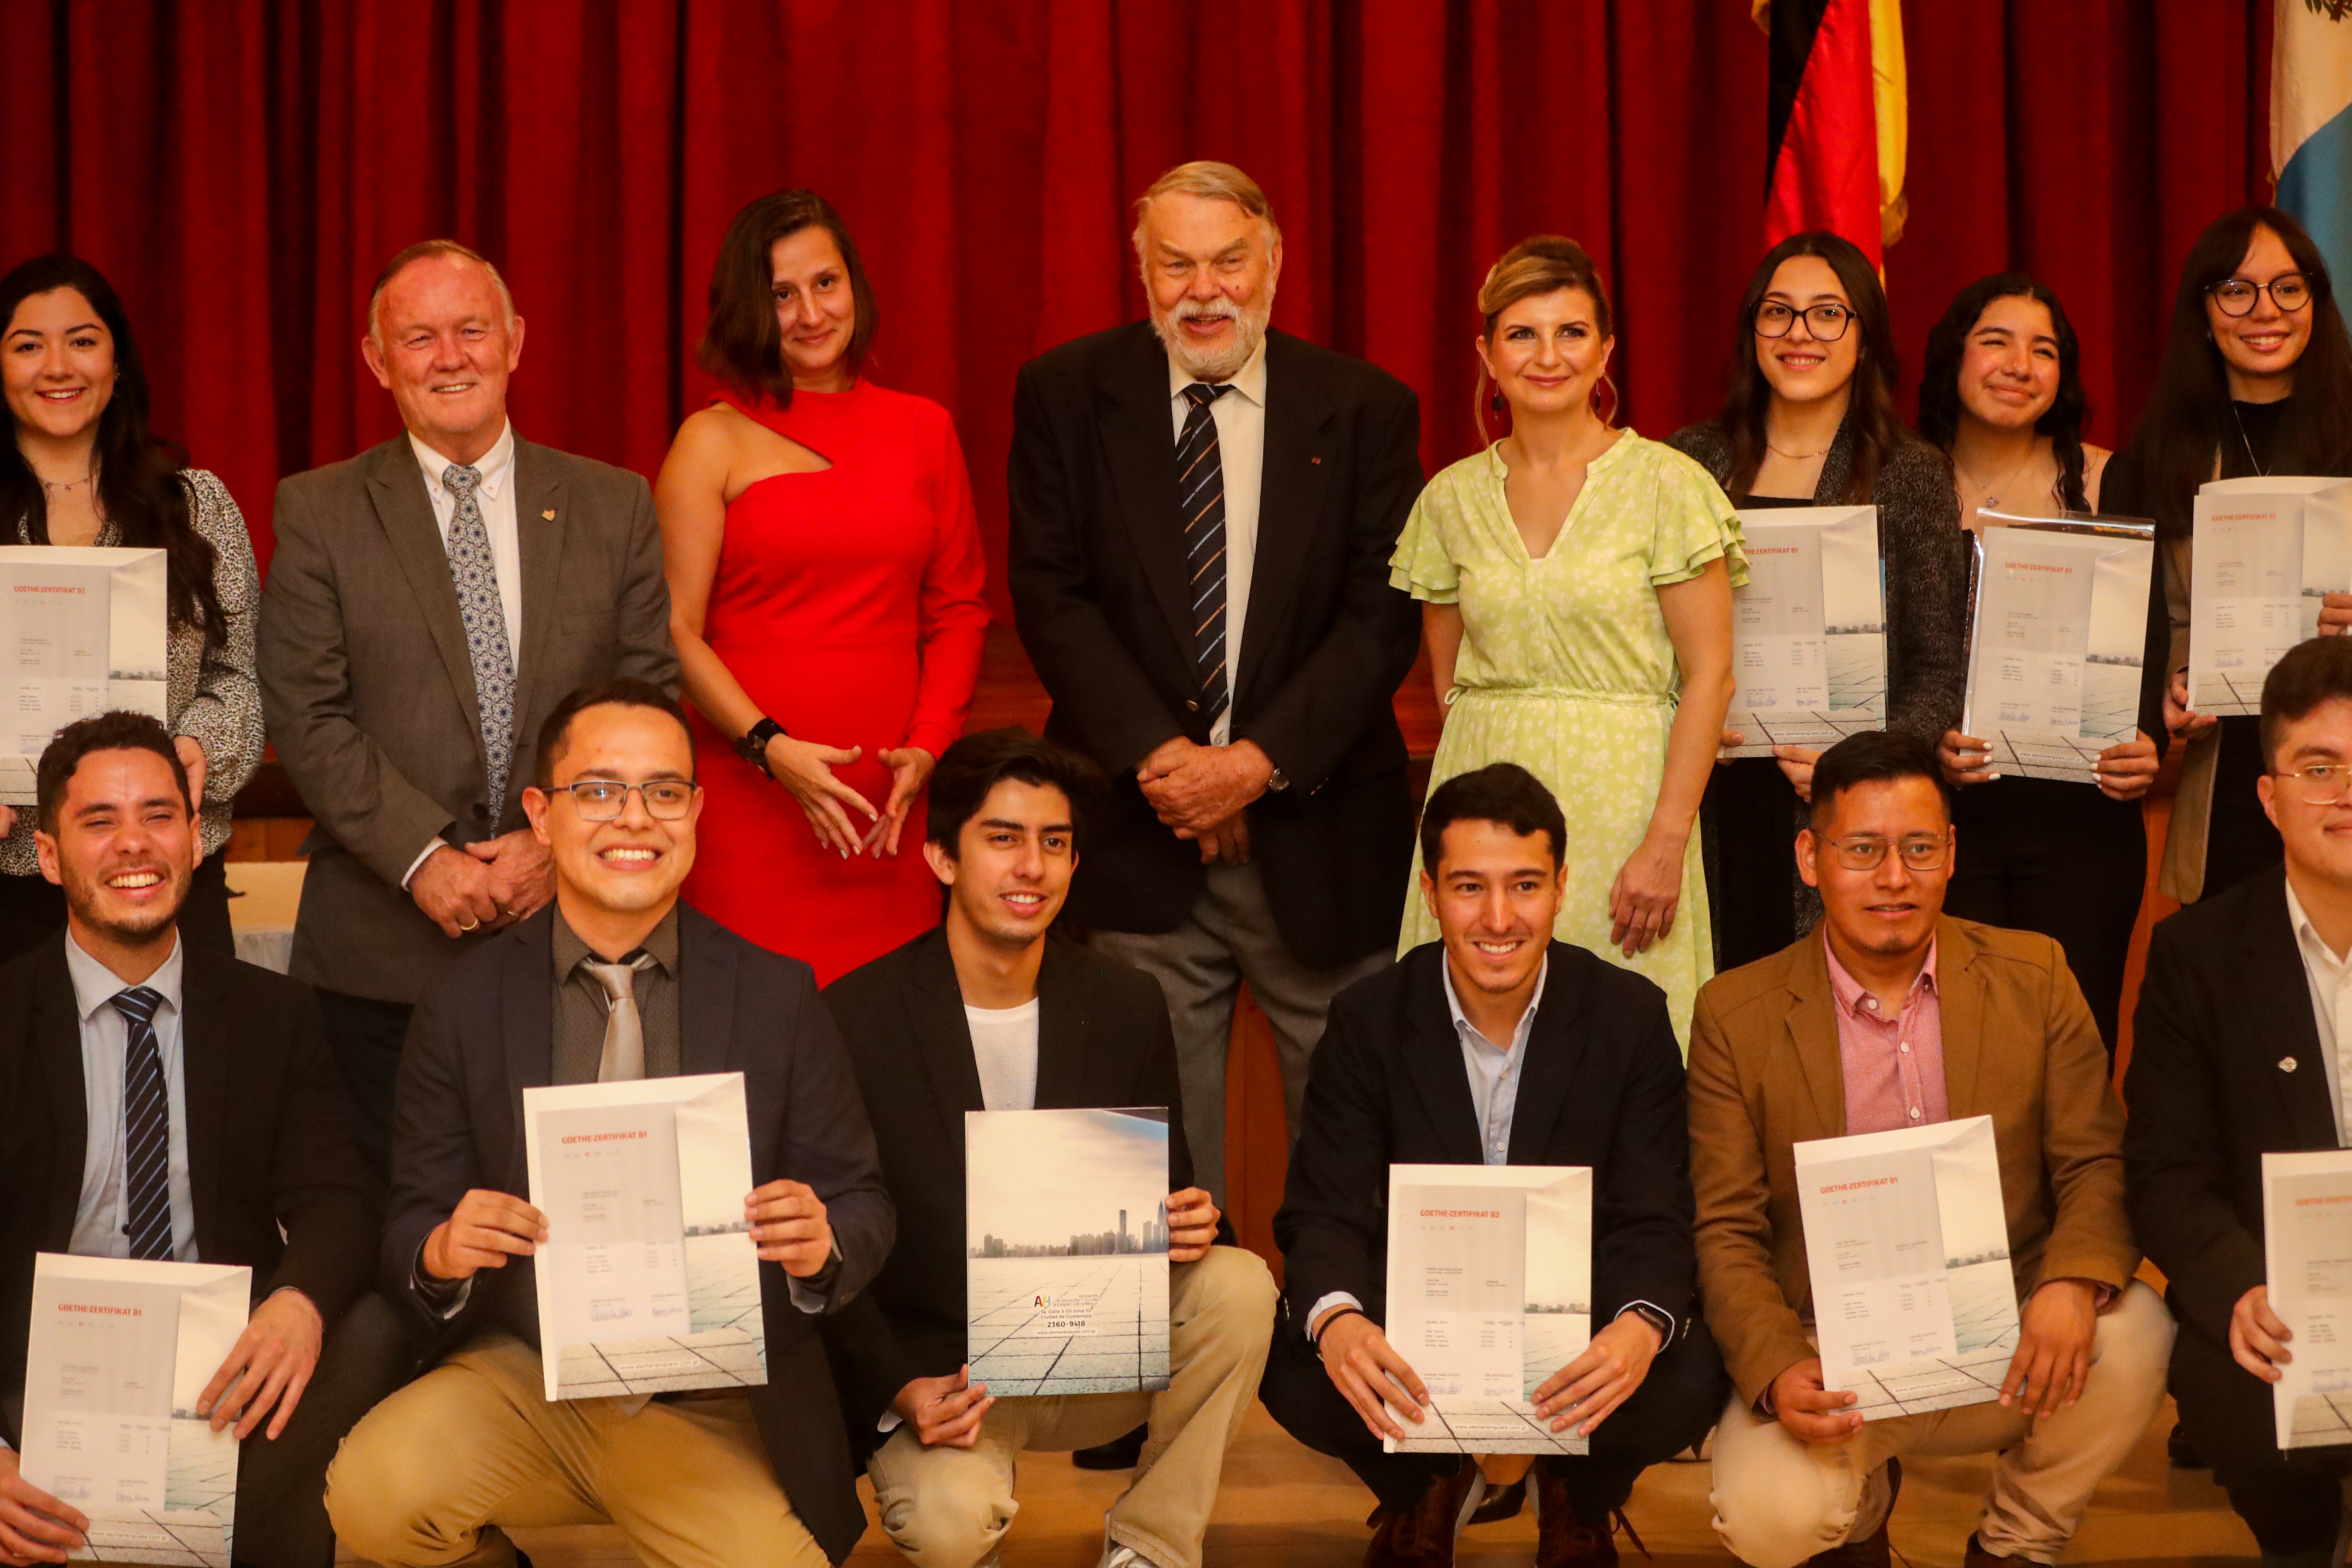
(261, 1380)
(946, 1411)
(805, 769)
(1381, 1385)
(492, 883)
(787, 1219)
(1201, 791)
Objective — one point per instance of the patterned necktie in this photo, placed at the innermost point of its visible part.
(624, 1028)
(477, 577)
(147, 1129)
(1201, 491)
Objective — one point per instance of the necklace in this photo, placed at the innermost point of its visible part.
(57, 486)
(2237, 419)
(1796, 457)
(1991, 498)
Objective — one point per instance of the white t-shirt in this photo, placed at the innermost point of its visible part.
(1004, 1045)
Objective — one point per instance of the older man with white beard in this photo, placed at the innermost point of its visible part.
(1203, 514)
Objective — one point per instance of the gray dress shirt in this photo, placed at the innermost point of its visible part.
(581, 1007)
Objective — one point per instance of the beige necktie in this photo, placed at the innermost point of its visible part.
(625, 1031)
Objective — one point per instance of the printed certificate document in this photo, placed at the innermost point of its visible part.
(118, 1354)
(1809, 631)
(648, 1280)
(2307, 1253)
(1907, 1242)
(1490, 1292)
(2057, 631)
(81, 631)
(2267, 549)
(1065, 1230)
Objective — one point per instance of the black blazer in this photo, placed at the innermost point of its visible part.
(1101, 596)
(2225, 1068)
(1601, 1085)
(1103, 1041)
(486, 1031)
(267, 1141)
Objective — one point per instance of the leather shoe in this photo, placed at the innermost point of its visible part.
(1976, 1557)
(1872, 1550)
(1565, 1538)
(1500, 1504)
(1422, 1536)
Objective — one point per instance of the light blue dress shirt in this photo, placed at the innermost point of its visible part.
(102, 1214)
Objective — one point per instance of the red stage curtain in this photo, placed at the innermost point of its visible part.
(242, 168)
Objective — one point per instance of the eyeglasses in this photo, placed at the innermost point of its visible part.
(1827, 323)
(2322, 784)
(1919, 853)
(601, 800)
(2289, 292)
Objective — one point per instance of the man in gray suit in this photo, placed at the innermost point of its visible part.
(429, 602)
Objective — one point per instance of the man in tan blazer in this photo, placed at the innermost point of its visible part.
(1892, 1015)
(430, 600)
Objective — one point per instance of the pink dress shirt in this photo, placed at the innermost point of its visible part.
(1892, 1067)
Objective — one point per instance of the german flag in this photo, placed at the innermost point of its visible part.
(1835, 149)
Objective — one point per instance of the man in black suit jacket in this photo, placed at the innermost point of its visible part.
(169, 1103)
(1410, 1072)
(2238, 1050)
(616, 982)
(1203, 514)
(991, 1012)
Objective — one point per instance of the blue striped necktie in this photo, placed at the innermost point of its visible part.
(147, 1129)
(1201, 494)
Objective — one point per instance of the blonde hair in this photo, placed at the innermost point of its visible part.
(1211, 181)
(419, 252)
(1540, 264)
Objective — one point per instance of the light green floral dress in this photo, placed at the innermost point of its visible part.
(1566, 668)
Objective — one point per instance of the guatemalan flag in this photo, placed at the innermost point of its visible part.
(2311, 123)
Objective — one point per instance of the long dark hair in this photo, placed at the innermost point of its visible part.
(741, 344)
(2189, 412)
(140, 488)
(1939, 376)
(1870, 406)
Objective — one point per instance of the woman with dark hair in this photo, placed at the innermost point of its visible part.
(825, 577)
(2256, 379)
(1809, 420)
(85, 470)
(2001, 391)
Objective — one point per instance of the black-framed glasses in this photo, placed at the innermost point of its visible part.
(1919, 852)
(2290, 291)
(2322, 784)
(601, 800)
(1827, 322)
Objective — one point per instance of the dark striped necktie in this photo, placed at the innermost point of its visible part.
(1201, 494)
(147, 1129)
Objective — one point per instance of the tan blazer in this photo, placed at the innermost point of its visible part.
(2019, 1045)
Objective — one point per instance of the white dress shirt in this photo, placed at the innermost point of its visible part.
(1004, 1048)
(2330, 979)
(1241, 452)
(102, 1212)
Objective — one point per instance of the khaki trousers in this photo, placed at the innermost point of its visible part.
(1780, 1500)
(949, 1508)
(439, 1472)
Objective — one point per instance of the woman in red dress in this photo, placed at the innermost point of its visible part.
(825, 577)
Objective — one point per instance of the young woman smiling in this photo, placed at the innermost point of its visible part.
(1809, 420)
(2002, 391)
(1576, 586)
(2256, 379)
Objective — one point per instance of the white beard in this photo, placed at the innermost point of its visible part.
(1218, 364)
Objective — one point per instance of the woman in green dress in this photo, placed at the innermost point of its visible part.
(1576, 581)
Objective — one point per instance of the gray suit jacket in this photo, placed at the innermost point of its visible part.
(369, 690)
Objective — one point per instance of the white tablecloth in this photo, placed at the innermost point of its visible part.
(263, 896)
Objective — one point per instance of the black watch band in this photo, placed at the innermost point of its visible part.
(751, 745)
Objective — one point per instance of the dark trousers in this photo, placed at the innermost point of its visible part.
(281, 1483)
(2062, 859)
(1674, 1409)
(33, 909)
(2290, 1501)
(364, 1037)
(2238, 838)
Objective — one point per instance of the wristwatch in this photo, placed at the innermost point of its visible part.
(751, 745)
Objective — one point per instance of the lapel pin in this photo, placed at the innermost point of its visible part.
(1316, 460)
(548, 514)
(2287, 1064)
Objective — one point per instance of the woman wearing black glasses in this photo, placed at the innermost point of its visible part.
(2256, 379)
(1809, 420)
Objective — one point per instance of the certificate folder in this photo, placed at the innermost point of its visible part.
(2057, 633)
(1490, 1292)
(119, 1355)
(2268, 548)
(1809, 630)
(1907, 1239)
(2307, 1257)
(82, 631)
(1066, 1270)
(649, 1280)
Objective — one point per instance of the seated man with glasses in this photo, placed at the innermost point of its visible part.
(612, 982)
(1894, 1016)
(2238, 1051)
